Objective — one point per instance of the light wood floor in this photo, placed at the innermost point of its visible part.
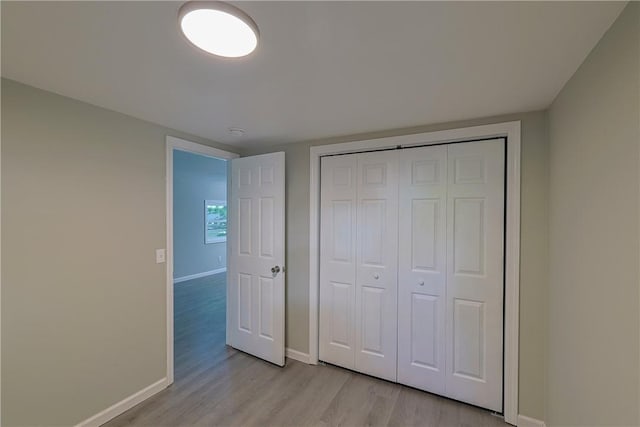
(218, 386)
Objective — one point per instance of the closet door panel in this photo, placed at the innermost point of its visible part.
(338, 260)
(422, 267)
(475, 259)
(376, 257)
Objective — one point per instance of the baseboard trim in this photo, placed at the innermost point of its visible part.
(124, 405)
(298, 355)
(199, 275)
(524, 421)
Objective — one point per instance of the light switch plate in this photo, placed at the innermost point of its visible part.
(160, 256)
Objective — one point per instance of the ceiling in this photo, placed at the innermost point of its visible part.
(322, 69)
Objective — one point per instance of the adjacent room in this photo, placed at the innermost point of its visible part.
(327, 213)
(199, 258)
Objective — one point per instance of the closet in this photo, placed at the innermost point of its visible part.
(412, 267)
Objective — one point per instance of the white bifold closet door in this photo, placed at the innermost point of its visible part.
(358, 262)
(411, 267)
(475, 272)
(377, 264)
(422, 265)
(450, 301)
(337, 333)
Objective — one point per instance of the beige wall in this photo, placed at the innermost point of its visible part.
(534, 279)
(593, 294)
(83, 301)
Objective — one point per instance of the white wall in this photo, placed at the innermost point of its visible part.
(593, 308)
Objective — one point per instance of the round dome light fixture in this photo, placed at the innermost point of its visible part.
(218, 28)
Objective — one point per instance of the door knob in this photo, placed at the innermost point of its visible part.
(376, 276)
(421, 283)
(275, 270)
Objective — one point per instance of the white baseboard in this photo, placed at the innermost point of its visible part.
(298, 355)
(524, 421)
(199, 275)
(124, 405)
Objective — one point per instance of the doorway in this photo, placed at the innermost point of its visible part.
(197, 181)
(199, 259)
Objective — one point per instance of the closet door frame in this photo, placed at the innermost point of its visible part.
(508, 130)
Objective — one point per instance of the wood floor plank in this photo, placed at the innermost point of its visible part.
(216, 385)
(362, 401)
(308, 404)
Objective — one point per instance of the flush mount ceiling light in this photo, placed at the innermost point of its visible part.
(218, 28)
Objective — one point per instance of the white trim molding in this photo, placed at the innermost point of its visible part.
(124, 405)
(0, 270)
(638, 177)
(508, 130)
(199, 275)
(195, 148)
(297, 355)
(173, 143)
(524, 421)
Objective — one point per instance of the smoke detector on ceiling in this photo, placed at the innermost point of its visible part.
(237, 132)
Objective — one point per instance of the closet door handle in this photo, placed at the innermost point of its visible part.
(376, 276)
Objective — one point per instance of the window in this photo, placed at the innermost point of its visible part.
(215, 221)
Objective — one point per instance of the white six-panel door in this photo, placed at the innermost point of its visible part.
(255, 277)
(448, 280)
(377, 264)
(422, 266)
(475, 272)
(338, 260)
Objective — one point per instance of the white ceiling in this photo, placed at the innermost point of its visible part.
(322, 68)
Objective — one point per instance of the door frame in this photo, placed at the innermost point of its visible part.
(508, 130)
(174, 143)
